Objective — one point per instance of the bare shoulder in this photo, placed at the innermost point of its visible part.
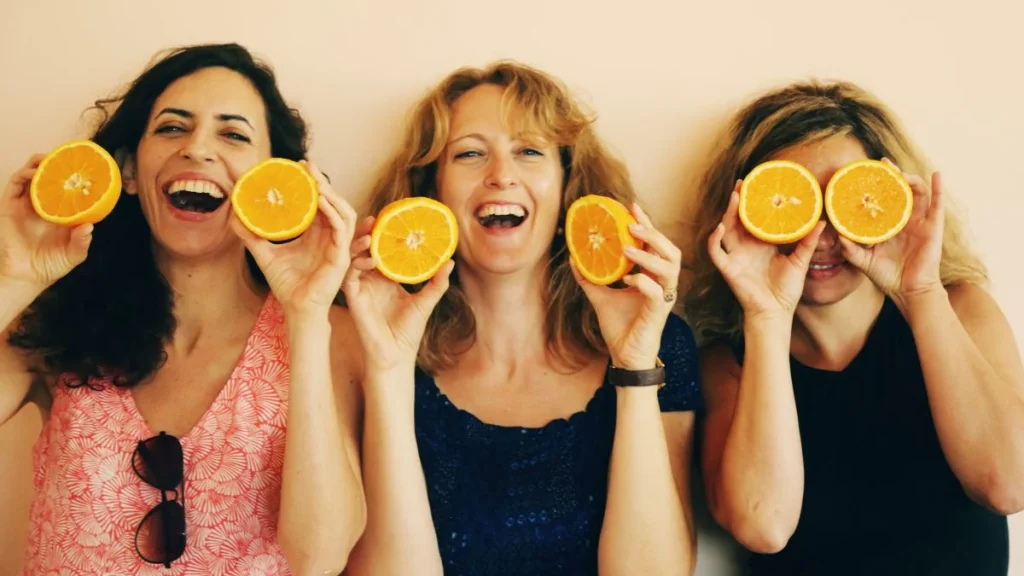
(21, 381)
(988, 327)
(974, 304)
(717, 362)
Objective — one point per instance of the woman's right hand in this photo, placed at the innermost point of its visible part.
(764, 279)
(33, 252)
(390, 321)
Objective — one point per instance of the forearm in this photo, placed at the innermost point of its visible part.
(646, 529)
(979, 417)
(758, 493)
(322, 507)
(400, 537)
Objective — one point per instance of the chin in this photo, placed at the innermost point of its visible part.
(503, 262)
(829, 291)
(194, 246)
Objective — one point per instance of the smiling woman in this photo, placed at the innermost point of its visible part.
(153, 338)
(520, 429)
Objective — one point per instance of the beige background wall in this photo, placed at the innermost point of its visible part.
(662, 75)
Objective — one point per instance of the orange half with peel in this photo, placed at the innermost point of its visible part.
(868, 201)
(412, 238)
(780, 202)
(277, 199)
(596, 234)
(76, 183)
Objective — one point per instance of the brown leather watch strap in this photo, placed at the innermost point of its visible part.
(630, 378)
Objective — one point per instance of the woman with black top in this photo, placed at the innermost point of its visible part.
(865, 406)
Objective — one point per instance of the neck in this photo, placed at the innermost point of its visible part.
(212, 296)
(831, 336)
(509, 310)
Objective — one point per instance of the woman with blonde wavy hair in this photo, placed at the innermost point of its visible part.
(513, 418)
(865, 406)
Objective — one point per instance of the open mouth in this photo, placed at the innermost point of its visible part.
(825, 266)
(499, 216)
(199, 196)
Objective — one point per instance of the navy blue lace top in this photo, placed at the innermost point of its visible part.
(510, 500)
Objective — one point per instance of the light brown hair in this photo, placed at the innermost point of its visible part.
(791, 116)
(533, 103)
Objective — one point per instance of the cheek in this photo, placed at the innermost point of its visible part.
(547, 189)
(454, 187)
(239, 161)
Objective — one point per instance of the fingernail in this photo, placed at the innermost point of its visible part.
(636, 228)
(630, 250)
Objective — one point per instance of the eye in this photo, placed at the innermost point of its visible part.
(531, 152)
(168, 129)
(238, 136)
(467, 154)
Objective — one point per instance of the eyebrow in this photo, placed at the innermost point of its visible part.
(465, 136)
(221, 117)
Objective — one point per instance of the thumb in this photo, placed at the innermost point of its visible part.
(854, 253)
(78, 244)
(805, 248)
(260, 249)
(591, 290)
(431, 294)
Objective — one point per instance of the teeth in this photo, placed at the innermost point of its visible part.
(501, 210)
(823, 266)
(198, 186)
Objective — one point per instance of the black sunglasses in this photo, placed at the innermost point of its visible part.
(160, 537)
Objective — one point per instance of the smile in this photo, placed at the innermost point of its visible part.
(199, 196)
(501, 215)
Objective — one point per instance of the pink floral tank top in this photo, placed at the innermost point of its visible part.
(89, 502)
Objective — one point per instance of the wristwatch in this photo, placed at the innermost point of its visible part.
(630, 378)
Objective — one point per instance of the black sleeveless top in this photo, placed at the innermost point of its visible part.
(879, 496)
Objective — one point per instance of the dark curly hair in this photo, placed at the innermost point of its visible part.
(111, 316)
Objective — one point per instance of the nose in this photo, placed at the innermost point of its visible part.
(197, 148)
(501, 174)
(829, 237)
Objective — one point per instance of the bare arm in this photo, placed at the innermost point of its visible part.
(648, 523)
(33, 255)
(323, 511)
(752, 457)
(975, 385)
(400, 537)
(15, 380)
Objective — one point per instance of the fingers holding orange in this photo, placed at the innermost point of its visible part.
(597, 234)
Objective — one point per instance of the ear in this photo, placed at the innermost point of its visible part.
(127, 163)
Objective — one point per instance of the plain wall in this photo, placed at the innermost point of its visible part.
(662, 75)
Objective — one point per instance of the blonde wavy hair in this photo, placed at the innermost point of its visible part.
(790, 116)
(533, 103)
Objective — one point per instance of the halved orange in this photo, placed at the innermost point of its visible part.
(412, 238)
(868, 201)
(77, 183)
(596, 233)
(780, 202)
(276, 199)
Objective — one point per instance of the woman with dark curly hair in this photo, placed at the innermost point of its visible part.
(169, 347)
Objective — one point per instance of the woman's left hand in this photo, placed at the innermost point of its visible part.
(633, 318)
(305, 274)
(907, 264)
